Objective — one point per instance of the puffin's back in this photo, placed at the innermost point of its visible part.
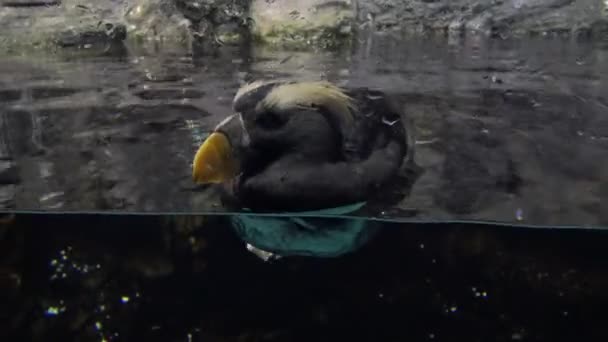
(379, 118)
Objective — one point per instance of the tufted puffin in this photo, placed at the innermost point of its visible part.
(305, 146)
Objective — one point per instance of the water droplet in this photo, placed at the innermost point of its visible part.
(389, 122)
(453, 309)
(421, 246)
(519, 214)
(124, 299)
(98, 325)
(52, 311)
(431, 336)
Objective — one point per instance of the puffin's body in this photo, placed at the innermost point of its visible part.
(299, 146)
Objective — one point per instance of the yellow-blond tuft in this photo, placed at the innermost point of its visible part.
(311, 94)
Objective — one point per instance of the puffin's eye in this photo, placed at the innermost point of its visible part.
(269, 120)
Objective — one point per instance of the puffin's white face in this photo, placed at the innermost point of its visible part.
(234, 127)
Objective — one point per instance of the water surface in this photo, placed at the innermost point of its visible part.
(510, 131)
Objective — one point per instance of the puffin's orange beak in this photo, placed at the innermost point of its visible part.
(214, 161)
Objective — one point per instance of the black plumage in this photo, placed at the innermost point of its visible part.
(312, 145)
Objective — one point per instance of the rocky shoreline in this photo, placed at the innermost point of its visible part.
(291, 23)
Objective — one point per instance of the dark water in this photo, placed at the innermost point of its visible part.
(511, 131)
(131, 278)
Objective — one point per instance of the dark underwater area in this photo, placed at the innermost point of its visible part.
(113, 277)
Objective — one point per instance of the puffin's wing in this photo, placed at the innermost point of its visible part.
(379, 119)
(291, 185)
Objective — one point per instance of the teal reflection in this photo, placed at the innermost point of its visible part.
(303, 234)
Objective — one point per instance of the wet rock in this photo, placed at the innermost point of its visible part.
(298, 23)
(214, 12)
(108, 33)
(9, 173)
(493, 18)
(210, 23)
(29, 3)
(313, 21)
(301, 23)
(34, 25)
(153, 20)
